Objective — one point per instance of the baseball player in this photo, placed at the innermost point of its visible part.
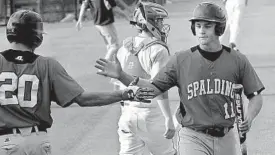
(102, 11)
(144, 125)
(205, 75)
(29, 82)
(235, 11)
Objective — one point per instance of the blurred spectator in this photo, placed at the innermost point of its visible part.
(102, 12)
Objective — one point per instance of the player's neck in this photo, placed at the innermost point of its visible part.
(145, 34)
(211, 47)
(20, 47)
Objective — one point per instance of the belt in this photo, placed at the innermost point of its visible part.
(10, 130)
(215, 131)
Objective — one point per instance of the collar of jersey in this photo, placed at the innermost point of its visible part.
(19, 57)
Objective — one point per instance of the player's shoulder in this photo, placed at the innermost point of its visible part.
(186, 53)
(46, 59)
(48, 62)
(156, 46)
(235, 53)
(127, 40)
(159, 48)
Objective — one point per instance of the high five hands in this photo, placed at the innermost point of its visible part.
(132, 92)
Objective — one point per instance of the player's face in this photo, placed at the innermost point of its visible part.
(159, 23)
(205, 32)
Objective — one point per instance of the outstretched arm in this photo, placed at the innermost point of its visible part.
(114, 70)
(132, 93)
(98, 99)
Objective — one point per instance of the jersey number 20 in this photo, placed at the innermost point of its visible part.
(27, 86)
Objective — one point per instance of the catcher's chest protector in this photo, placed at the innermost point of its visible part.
(133, 65)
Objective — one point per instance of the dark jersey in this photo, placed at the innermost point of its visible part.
(28, 84)
(206, 87)
(102, 11)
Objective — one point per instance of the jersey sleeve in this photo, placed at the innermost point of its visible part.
(121, 56)
(249, 78)
(159, 57)
(166, 78)
(64, 87)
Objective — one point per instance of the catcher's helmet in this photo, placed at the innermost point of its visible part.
(146, 16)
(211, 12)
(26, 27)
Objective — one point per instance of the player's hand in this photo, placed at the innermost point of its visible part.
(78, 25)
(170, 128)
(109, 68)
(135, 93)
(245, 125)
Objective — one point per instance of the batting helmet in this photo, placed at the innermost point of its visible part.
(145, 17)
(26, 27)
(210, 12)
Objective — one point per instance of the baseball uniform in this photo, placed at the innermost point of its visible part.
(205, 81)
(29, 83)
(141, 124)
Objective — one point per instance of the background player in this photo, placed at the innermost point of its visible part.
(29, 83)
(102, 12)
(205, 75)
(142, 125)
(235, 11)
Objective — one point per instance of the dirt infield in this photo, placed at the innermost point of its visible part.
(92, 131)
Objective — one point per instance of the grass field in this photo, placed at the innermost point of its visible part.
(92, 131)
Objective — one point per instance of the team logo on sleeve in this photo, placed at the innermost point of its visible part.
(208, 86)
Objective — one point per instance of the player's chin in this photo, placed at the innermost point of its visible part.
(203, 41)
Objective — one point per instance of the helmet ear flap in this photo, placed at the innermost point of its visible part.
(193, 28)
(219, 29)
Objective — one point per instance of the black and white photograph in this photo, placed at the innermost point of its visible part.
(137, 77)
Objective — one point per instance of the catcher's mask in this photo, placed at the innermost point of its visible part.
(210, 12)
(150, 17)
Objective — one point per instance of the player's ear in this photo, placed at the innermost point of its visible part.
(193, 28)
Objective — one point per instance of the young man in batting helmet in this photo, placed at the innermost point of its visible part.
(205, 75)
(146, 125)
(29, 82)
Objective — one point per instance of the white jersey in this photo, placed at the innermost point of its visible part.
(151, 59)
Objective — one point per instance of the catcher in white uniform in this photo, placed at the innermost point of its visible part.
(235, 11)
(144, 125)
